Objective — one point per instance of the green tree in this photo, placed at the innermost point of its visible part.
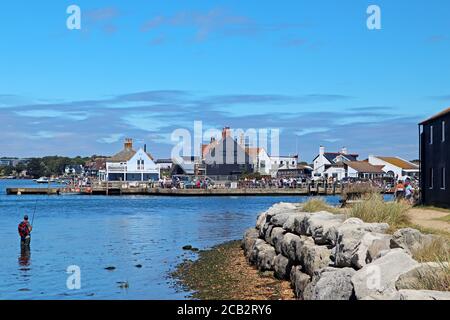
(36, 168)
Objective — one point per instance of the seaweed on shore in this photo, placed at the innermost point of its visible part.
(222, 273)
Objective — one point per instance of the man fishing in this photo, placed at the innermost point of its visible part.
(25, 229)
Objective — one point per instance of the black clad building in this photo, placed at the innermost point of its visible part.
(435, 160)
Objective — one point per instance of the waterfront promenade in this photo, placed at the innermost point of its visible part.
(126, 190)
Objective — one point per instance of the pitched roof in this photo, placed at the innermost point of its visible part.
(398, 162)
(207, 147)
(436, 116)
(125, 155)
(330, 156)
(253, 152)
(364, 167)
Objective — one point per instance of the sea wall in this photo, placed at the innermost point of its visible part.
(326, 256)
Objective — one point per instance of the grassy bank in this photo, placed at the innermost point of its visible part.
(223, 273)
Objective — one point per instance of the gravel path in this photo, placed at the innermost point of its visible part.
(429, 218)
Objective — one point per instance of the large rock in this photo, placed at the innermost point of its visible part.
(281, 208)
(265, 257)
(422, 295)
(369, 248)
(289, 225)
(276, 236)
(410, 240)
(354, 240)
(280, 219)
(347, 245)
(314, 258)
(282, 267)
(378, 279)
(299, 281)
(331, 284)
(250, 237)
(332, 233)
(381, 244)
(267, 230)
(300, 223)
(413, 279)
(292, 245)
(289, 246)
(319, 224)
(252, 255)
(261, 220)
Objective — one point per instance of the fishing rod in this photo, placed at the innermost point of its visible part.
(34, 212)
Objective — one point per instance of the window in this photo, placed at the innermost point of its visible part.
(443, 182)
(140, 164)
(431, 134)
(443, 131)
(431, 178)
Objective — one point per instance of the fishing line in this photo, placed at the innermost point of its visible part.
(34, 212)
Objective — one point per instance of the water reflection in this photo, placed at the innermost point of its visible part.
(25, 257)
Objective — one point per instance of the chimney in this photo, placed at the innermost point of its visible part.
(145, 147)
(322, 150)
(128, 145)
(226, 132)
(344, 150)
(213, 139)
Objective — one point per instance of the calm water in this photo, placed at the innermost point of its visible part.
(97, 232)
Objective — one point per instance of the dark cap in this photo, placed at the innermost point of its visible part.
(25, 218)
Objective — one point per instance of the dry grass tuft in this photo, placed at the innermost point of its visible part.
(437, 250)
(318, 204)
(433, 278)
(375, 209)
(356, 191)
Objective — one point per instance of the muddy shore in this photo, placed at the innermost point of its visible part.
(222, 273)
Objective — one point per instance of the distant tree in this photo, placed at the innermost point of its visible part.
(36, 168)
(6, 170)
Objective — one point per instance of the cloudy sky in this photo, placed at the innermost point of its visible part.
(142, 69)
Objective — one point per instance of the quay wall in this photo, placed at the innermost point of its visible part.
(174, 192)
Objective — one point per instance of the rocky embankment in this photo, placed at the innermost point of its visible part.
(326, 256)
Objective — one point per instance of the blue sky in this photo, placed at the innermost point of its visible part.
(144, 68)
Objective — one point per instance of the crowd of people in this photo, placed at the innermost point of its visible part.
(406, 190)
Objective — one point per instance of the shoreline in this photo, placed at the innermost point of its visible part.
(223, 273)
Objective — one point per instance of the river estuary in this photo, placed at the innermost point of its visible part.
(141, 237)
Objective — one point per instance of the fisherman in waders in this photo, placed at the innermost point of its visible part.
(25, 233)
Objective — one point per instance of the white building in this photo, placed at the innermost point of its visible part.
(131, 165)
(261, 160)
(336, 171)
(361, 170)
(326, 164)
(284, 162)
(395, 167)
